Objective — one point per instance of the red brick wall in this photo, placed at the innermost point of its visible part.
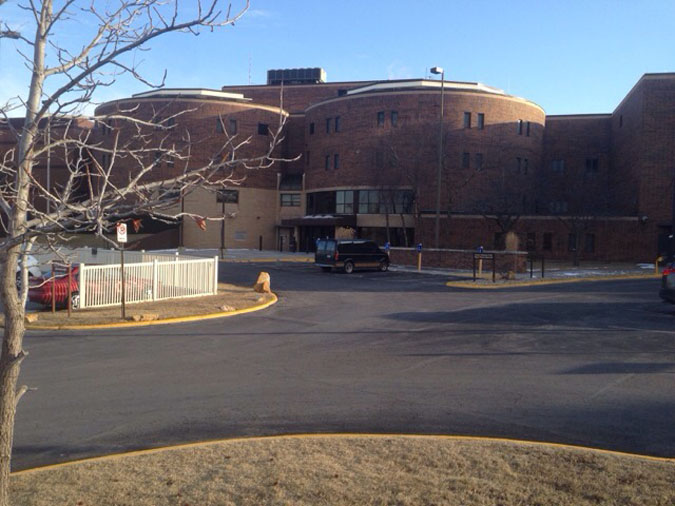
(408, 152)
(198, 124)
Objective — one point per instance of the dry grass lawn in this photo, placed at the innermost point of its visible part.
(354, 470)
(236, 297)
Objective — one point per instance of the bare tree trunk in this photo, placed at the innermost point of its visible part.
(10, 361)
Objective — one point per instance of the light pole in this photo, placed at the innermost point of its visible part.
(437, 230)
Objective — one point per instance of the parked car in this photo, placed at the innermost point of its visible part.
(349, 254)
(40, 289)
(667, 291)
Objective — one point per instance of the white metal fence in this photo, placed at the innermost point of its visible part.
(155, 277)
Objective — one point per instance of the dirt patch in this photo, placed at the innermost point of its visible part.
(354, 470)
(229, 298)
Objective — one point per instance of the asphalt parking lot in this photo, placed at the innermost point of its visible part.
(399, 352)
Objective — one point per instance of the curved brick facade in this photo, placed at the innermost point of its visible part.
(400, 146)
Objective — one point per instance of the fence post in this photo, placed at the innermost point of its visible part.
(83, 284)
(215, 275)
(154, 279)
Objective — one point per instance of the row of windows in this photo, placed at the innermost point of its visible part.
(478, 161)
(480, 123)
(361, 201)
(592, 166)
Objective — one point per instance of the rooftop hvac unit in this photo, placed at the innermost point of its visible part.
(296, 76)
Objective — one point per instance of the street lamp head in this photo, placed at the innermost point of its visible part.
(436, 70)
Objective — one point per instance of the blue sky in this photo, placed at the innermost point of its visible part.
(567, 56)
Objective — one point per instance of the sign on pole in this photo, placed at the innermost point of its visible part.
(121, 232)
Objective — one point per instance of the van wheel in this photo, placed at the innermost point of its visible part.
(384, 266)
(349, 267)
(75, 300)
(326, 269)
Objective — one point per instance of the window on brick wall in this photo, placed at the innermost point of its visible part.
(480, 123)
(171, 121)
(520, 127)
(548, 241)
(591, 165)
(233, 126)
(526, 165)
(479, 161)
(466, 160)
(394, 118)
(219, 125)
(158, 157)
(263, 129)
(336, 161)
(589, 243)
(328, 121)
(380, 118)
(558, 166)
(311, 128)
(527, 129)
(379, 158)
(326, 164)
(228, 196)
(467, 120)
(620, 120)
(338, 125)
(307, 158)
(290, 200)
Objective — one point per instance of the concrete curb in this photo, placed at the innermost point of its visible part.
(516, 284)
(150, 451)
(164, 321)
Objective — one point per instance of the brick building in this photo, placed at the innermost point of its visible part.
(362, 159)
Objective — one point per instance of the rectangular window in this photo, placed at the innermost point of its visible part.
(326, 164)
(526, 164)
(170, 162)
(158, 123)
(520, 127)
(328, 120)
(481, 121)
(311, 129)
(228, 196)
(233, 126)
(558, 166)
(171, 121)
(336, 161)
(479, 161)
(394, 118)
(591, 165)
(466, 160)
(337, 123)
(369, 202)
(344, 202)
(467, 120)
(263, 129)
(380, 118)
(105, 161)
(290, 200)
(158, 157)
(219, 125)
(548, 241)
(620, 120)
(589, 243)
(572, 242)
(527, 129)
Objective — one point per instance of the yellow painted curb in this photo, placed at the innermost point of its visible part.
(164, 321)
(345, 436)
(516, 284)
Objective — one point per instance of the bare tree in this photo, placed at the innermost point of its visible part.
(88, 197)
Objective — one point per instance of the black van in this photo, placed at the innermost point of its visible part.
(349, 254)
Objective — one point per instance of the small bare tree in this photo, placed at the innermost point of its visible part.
(88, 197)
